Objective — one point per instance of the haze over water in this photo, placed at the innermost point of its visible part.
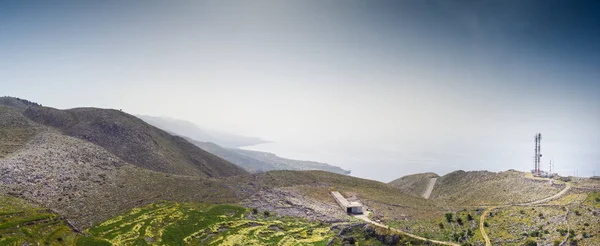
(384, 88)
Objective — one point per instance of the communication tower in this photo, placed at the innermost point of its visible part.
(537, 155)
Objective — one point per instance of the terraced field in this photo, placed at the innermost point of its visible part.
(200, 224)
(25, 224)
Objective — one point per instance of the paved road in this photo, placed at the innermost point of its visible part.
(365, 217)
(489, 209)
(427, 192)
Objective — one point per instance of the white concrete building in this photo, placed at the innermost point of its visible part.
(349, 207)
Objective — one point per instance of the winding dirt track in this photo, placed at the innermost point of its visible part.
(489, 209)
(482, 227)
(365, 217)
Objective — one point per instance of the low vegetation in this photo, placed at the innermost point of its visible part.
(365, 234)
(24, 224)
(518, 225)
(483, 188)
(461, 227)
(171, 223)
(584, 220)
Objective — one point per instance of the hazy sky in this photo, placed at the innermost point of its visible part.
(384, 88)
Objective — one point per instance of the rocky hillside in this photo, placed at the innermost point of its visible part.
(134, 141)
(15, 130)
(83, 181)
(16, 103)
(414, 184)
(257, 161)
(462, 188)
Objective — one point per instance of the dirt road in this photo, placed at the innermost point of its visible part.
(365, 217)
(430, 186)
(482, 225)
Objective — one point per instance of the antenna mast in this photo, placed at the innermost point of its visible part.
(537, 156)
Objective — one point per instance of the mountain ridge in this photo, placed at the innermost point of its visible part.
(193, 131)
(250, 160)
(134, 140)
(258, 161)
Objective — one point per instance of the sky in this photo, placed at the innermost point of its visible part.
(384, 88)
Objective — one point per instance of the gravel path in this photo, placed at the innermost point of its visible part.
(427, 192)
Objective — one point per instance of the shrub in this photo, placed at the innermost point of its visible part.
(485, 223)
(267, 213)
(577, 213)
(530, 242)
(534, 234)
(456, 237)
(522, 211)
(459, 221)
(448, 217)
(562, 232)
(557, 242)
(469, 217)
(254, 211)
(586, 224)
(441, 225)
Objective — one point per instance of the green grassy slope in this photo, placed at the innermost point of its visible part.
(134, 141)
(414, 184)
